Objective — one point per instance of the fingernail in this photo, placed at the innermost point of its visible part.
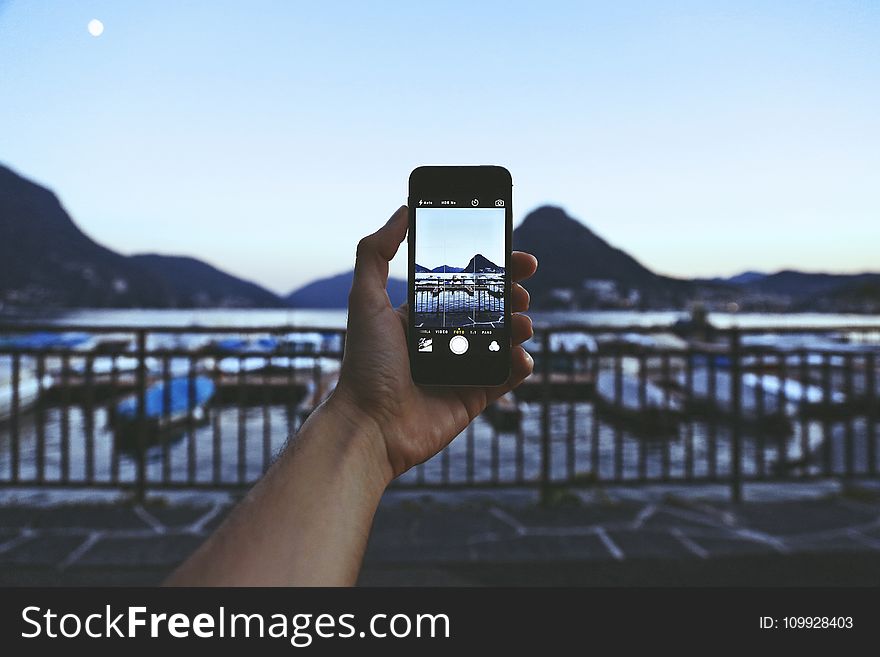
(395, 213)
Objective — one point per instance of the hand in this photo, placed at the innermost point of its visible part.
(408, 423)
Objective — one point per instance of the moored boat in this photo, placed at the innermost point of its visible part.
(167, 405)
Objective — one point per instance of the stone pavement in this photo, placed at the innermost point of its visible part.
(484, 540)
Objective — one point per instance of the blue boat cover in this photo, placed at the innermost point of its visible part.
(178, 398)
(45, 340)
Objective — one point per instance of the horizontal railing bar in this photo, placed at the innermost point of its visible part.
(669, 328)
(173, 353)
(15, 327)
(438, 485)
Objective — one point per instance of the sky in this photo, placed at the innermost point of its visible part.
(704, 138)
(452, 236)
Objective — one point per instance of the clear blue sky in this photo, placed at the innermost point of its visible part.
(266, 138)
(452, 236)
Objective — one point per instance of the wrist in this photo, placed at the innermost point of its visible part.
(360, 437)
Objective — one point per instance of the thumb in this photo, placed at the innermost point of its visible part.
(371, 265)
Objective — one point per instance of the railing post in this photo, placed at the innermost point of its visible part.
(873, 403)
(545, 416)
(141, 429)
(736, 407)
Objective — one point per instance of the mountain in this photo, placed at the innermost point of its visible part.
(861, 295)
(193, 283)
(47, 261)
(333, 292)
(442, 269)
(745, 278)
(481, 263)
(809, 291)
(799, 284)
(577, 267)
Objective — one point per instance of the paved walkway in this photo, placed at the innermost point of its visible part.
(484, 540)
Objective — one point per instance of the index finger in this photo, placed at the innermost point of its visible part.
(522, 265)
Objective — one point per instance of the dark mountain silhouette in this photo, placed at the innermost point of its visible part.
(577, 267)
(797, 284)
(569, 254)
(442, 269)
(745, 278)
(860, 295)
(193, 283)
(333, 292)
(481, 263)
(805, 291)
(47, 261)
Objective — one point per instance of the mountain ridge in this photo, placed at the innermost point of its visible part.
(332, 292)
(47, 261)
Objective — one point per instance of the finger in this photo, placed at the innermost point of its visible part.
(371, 265)
(520, 328)
(402, 310)
(519, 298)
(521, 366)
(522, 265)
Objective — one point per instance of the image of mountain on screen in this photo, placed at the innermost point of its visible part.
(478, 264)
(472, 295)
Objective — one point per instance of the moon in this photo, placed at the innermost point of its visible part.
(95, 27)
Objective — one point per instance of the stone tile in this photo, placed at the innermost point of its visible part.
(421, 554)
(412, 576)
(661, 520)
(873, 532)
(7, 534)
(827, 544)
(89, 516)
(176, 516)
(637, 544)
(17, 516)
(42, 550)
(576, 515)
(441, 526)
(147, 551)
(727, 546)
(217, 520)
(784, 518)
(542, 548)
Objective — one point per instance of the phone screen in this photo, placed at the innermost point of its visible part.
(459, 282)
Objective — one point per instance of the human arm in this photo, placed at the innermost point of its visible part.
(306, 522)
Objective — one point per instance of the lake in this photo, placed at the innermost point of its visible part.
(335, 318)
(241, 438)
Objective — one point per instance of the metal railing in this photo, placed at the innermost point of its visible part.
(169, 407)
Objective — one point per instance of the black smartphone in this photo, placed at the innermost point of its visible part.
(460, 222)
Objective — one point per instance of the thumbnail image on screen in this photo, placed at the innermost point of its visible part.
(459, 267)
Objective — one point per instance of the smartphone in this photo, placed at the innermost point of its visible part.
(460, 222)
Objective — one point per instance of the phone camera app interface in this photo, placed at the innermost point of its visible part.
(460, 278)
